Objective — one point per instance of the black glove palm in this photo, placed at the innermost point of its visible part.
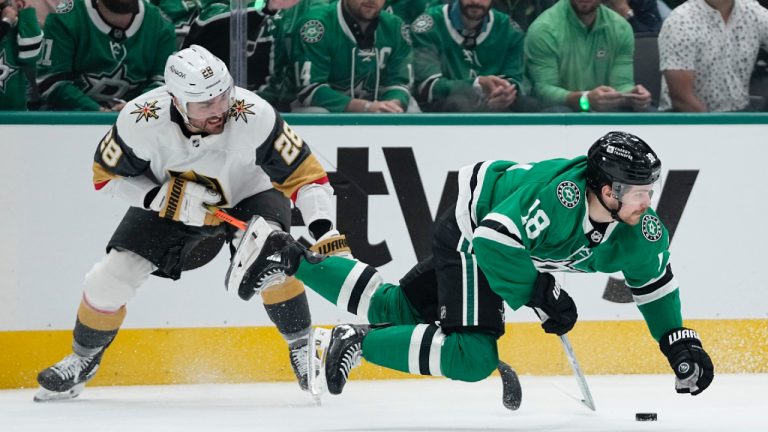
(693, 367)
(555, 302)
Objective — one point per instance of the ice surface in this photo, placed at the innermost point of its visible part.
(732, 403)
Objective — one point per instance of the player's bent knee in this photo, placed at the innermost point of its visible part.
(113, 281)
(469, 356)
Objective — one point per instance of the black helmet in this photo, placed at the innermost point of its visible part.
(620, 157)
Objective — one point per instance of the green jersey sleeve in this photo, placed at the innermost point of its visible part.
(397, 76)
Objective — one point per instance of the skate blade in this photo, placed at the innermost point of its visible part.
(319, 339)
(247, 252)
(45, 395)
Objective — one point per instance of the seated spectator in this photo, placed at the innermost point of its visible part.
(279, 89)
(580, 58)
(523, 12)
(467, 57)
(20, 39)
(642, 15)
(211, 31)
(707, 50)
(352, 57)
(102, 53)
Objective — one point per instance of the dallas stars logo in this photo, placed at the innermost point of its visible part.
(240, 109)
(146, 111)
(651, 227)
(107, 86)
(568, 194)
(6, 71)
(312, 31)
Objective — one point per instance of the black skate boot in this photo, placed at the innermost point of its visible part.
(345, 352)
(512, 393)
(299, 355)
(67, 378)
(265, 257)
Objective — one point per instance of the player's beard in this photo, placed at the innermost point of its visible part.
(211, 125)
(121, 6)
(474, 12)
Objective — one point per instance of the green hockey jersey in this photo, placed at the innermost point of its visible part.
(87, 63)
(445, 66)
(279, 32)
(331, 67)
(521, 219)
(19, 48)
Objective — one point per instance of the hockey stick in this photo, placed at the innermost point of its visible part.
(228, 218)
(580, 379)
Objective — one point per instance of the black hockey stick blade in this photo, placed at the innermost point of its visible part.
(512, 392)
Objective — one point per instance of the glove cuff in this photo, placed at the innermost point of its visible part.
(332, 243)
(678, 337)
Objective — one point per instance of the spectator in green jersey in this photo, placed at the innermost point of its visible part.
(579, 57)
(468, 58)
(98, 54)
(20, 38)
(352, 57)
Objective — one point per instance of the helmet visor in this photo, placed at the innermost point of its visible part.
(636, 194)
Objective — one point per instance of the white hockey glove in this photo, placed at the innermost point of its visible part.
(332, 243)
(184, 201)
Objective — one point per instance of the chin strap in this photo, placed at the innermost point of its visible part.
(614, 213)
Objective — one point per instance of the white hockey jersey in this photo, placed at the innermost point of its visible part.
(256, 151)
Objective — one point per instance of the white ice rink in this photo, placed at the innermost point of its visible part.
(734, 403)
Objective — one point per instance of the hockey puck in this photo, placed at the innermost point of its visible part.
(645, 417)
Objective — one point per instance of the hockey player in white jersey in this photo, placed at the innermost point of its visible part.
(197, 143)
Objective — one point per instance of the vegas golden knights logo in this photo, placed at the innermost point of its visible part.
(207, 72)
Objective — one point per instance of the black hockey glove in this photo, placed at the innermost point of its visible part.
(693, 367)
(548, 297)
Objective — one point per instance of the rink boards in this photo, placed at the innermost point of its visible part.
(55, 227)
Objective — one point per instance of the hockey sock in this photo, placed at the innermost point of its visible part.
(287, 307)
(347, 283)
(424, 349)
(95, 329)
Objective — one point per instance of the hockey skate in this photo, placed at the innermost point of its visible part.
(67, 378)
(340, 350)
(512, 393)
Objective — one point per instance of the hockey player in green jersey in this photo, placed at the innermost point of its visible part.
(512, 225)
(467, 58)
(99, 53)
(352, 57)
(20, 38)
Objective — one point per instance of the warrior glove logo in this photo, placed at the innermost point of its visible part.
(568, 194)
(651, 228)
